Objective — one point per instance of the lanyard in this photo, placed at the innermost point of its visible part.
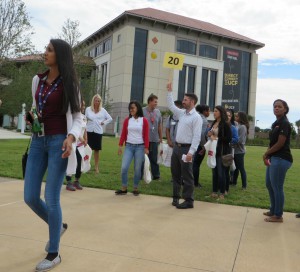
(42, 101)
(152, 117)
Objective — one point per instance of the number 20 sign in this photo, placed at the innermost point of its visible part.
(173, 60)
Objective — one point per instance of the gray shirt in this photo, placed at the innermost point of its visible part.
(172, 126)
(154, 120)
(189, 125)
(240, 146)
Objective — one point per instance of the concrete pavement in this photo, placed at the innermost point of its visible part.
(9, 134)
(145, 233)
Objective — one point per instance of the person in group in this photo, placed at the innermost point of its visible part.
(278, 159)
(97, 117)
(186, 142)
(199, 155)
(220, 131)
(56, 96)
(154, 118)
(171, 126)
(239, 148)
(82, 141)
(234, 140)
(135, 135)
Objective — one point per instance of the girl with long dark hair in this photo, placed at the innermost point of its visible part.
(135, 135)
(56, 97)
(221, 131)
(239, 149)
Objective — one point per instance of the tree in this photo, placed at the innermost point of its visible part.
(15, 29)
(70, 32)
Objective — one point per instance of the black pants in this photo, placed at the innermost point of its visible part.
(78, 168)
(182, 171)
(219, 178)
(197, 160)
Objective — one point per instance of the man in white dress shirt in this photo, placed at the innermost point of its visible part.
(187, 140)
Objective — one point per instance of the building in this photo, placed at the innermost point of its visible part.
(220, 66)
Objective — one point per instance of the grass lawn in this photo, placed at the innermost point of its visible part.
(256, 194)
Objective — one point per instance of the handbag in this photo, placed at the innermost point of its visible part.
(228, 158)
(24, 159)
(86, 154)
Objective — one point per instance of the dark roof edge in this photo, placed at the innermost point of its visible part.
(128, 12)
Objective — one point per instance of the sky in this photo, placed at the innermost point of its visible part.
(275, 23)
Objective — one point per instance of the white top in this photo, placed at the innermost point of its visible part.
(94, 120)
(189, 125)
(135, 131)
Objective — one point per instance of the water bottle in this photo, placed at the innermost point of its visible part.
(36, 126)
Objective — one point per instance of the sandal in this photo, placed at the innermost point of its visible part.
(121, 192)
(214, 195)
(221, 197)
(268, 213)
(274, 219)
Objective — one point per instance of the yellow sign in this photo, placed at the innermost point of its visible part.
(173, 61)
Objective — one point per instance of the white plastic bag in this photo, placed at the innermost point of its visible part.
(167, 156)
(232, 167)
(86, 154)
(211, 147)
(147, 173)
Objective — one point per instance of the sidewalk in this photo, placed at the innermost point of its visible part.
(9, 134)
(139, 234)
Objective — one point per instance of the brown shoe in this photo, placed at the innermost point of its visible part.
(274, 219)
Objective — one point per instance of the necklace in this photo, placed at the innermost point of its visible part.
(43, 96)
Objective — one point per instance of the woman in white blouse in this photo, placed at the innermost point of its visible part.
(96, 118)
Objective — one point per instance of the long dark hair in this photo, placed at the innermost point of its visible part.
(243, 120)
(224, 117)
(139, 112)
(232, 116)
(65, 63)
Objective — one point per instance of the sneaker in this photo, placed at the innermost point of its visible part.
(70, 186)
(77, 185)
(62, 231)
(46, 265)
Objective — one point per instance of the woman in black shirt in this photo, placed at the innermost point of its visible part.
(278, 159)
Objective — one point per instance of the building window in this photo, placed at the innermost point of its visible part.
(186, 82)
(185, 46)
(103, 79)
(208, 51)
(119, 38)
(139, 64)
(107, 45)
(208, 88)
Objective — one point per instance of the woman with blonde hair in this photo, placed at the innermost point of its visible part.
(97, 117)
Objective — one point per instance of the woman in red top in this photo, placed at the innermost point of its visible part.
(135, 134)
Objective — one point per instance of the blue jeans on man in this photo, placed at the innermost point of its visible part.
(153, 153)
(45, 154)
(275, 176)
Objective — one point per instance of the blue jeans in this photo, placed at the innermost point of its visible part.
(275, 176)
(136, 152)
(219, 176)
(45, 152)
(239, 163)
